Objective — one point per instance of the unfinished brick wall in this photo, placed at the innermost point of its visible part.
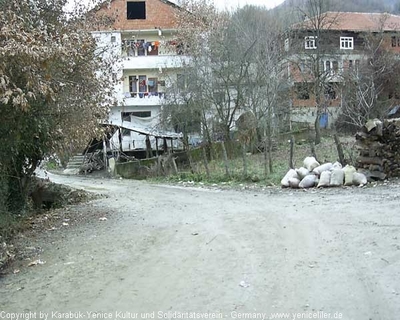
(159, 14)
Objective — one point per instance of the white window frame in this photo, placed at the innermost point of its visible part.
(349, 41)
(310, 42)
(287, 45)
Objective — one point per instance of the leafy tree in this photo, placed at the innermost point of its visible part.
(54, 88)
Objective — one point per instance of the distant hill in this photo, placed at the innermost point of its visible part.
(288, 12)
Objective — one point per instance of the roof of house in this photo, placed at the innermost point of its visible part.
(354, 21)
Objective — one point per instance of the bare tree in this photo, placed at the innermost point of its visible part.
(371, 86)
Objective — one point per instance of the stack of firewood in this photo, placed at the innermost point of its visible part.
(379, 146)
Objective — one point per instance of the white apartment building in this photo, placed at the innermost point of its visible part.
(142, 41)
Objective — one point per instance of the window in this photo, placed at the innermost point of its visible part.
(346, 43)
(141, 50)
(327, 66)
(141, 114)
(350, 64)
(395, 41)
(330, 92)
(136, 10)
(331, 66)
(310, 42)
(302, 91)
(133, 80)
(287, 43)
(125, 116)
(142, 84)
(113, 39)
(153, 84)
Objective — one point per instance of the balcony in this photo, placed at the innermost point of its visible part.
(143, 99)
(154, 62)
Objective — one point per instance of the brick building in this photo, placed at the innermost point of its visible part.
(331, 47)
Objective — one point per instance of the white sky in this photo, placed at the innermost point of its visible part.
(232, 4)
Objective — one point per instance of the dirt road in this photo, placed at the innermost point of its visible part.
(235, 253)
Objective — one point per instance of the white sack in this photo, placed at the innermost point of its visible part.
(294, 183)
(337, 178)
(310, 163)
(324, 167)
(308, 181)
(325, 179)
(302, 172)
(348, 175)
(359, 179)
(337, 165)
(290, 174)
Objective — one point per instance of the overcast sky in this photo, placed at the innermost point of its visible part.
(229, 4)
(232, 4)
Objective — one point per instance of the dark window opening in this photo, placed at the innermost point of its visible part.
(330, 93)
(141, 114)
(350, 64)
(153, 84)
(394, 41)
(335, 66)
(113, 39)
(126, 116)
(136, 10)
(302, 91)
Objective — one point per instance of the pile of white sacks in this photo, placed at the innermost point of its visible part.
(312, 174)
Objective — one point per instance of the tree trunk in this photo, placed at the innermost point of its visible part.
(206, 163)
(225, 157)
(266, 151)
(291, 164)
(317, 139)
(244, 161)
(339, 149)
(271, 169)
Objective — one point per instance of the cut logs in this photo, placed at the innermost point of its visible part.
(378, 143)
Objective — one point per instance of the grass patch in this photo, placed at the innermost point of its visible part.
(325, 152)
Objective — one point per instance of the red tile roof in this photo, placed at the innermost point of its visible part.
(353, 21)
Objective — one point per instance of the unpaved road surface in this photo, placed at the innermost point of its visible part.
(175, 249)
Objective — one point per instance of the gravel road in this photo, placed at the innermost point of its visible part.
(235, 254)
